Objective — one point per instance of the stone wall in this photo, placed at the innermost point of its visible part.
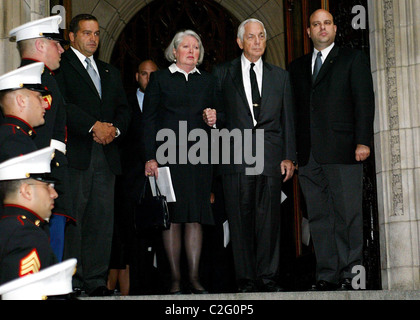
(395, 55)
(14, 14)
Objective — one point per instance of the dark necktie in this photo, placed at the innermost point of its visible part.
(317, 67)
(94, 76)
(256, 98)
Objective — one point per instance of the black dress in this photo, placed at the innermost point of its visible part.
(172, 102)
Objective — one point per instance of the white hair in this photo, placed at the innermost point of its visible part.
(241, 28)
(178, 38)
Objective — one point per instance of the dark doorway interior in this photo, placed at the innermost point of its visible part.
(151, 30)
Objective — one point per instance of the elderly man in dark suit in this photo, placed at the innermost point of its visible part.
(256, 95)
(97, 115)
(334, 99)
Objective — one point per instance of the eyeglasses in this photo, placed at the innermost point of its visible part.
(49, 185)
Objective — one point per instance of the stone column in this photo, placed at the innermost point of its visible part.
(395, 48)
(16, 13)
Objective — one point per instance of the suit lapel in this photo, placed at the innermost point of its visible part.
(76, 63)
(267, 85)
(104, 74)
(328, 63)
(236, 73)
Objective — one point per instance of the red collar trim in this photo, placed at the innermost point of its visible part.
(24, 208)
(30, 59)
(20, 119)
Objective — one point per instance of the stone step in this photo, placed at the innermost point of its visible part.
(306, 295)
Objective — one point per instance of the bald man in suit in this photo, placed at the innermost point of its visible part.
(334, 100)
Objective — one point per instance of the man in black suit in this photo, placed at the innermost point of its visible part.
(253, 202)
(135, 251)
(98, 114)
(335, 111)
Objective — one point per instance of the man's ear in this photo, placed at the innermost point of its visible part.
(40, 44)
(20, 100)
(26, 191)
(71, 36)
(240, 44)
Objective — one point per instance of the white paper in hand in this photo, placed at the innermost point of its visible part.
(164, 183)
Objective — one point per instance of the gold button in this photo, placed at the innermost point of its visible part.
(17, 127)
(30, 132)
(23, 217)
(37, 223)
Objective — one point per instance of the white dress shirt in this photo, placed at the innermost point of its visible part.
(258, 68)
(140, 98)
(324, 52)
(82, 59)
(174, 68)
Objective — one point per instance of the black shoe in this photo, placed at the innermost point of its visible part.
(323, 285)
(175, 292)
(246, 286)
(198, 291)
(78, 291)
(345, 285)
(101, 292)
(270, 287)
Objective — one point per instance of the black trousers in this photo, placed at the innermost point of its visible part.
(90, 239)
(333, 194)
(253, 208)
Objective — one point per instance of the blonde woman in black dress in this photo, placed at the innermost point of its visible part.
(182, 95)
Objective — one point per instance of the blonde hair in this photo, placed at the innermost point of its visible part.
(179, 36)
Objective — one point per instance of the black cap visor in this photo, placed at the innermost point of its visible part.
(57, 37)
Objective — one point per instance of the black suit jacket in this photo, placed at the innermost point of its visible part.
(132, 151)
(276, 115)
(336, 112)
(86, 107)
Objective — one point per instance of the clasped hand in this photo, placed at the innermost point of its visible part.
(209, 117)
(103, 132)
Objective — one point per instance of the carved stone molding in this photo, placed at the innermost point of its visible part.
(393, 107)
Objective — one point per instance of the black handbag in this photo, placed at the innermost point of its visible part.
(151, 212)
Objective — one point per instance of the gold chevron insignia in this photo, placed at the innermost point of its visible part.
(30, 264)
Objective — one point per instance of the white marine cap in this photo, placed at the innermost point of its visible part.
(42, 28)
(52, 281)
(31, 165)
(27, 77)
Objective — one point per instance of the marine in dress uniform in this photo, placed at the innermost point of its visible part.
(41, 41)
(24, 244)
(21, 115)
